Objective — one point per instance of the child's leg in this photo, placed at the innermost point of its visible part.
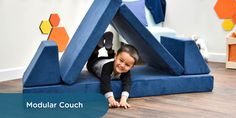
(108, 36)
(111, 53)
(92, 59)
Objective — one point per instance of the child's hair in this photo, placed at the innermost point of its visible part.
(131, 50)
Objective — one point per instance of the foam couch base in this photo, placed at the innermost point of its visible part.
(146, 81)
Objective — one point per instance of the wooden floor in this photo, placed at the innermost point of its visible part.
(220, 103)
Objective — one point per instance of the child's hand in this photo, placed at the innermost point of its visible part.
(123, 102)
(113, 102)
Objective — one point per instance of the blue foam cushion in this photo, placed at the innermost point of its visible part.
(138, 8)
(157, 9)
(44, 67)
(151, 51)
(146, 81)
(86, 38)
(187, 54)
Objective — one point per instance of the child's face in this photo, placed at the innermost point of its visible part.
(123, 62)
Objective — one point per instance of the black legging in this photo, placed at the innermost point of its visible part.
(94, 57)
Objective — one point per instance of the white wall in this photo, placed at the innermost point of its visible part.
(19, 32)
(190, 17)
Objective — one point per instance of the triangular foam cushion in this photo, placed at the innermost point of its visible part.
(86, 38)
(187, 54)
(44, 67)
(151, 51)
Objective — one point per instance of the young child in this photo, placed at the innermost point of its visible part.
(115, 66)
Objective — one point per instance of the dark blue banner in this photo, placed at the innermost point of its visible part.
(51, 105)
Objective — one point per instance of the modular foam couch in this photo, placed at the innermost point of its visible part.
(173, 65)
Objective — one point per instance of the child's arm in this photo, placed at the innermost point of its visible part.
(123, 102)
(107, 90)
(126, 84)
(113, 102)
(106, 85)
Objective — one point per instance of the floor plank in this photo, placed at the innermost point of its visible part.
(220, 103)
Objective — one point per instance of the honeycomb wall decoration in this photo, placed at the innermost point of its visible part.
(45, 27)
(227, 24)
(226, 9)
(55, 33)
(54, 20)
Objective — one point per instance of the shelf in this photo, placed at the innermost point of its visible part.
(231, 53)
(231, 40)
(231, 65)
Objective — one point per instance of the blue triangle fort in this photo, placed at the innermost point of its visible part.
(172, 65)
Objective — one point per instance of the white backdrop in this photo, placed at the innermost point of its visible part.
(190, 17)
(19, 32)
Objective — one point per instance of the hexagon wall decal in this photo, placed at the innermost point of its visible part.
(234, 18)
(45, 27)
(60, 36)
(57, 34)
(225, 8)
(227, 24)
(54, 19)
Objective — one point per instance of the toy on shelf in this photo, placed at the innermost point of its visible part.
(231, 50)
